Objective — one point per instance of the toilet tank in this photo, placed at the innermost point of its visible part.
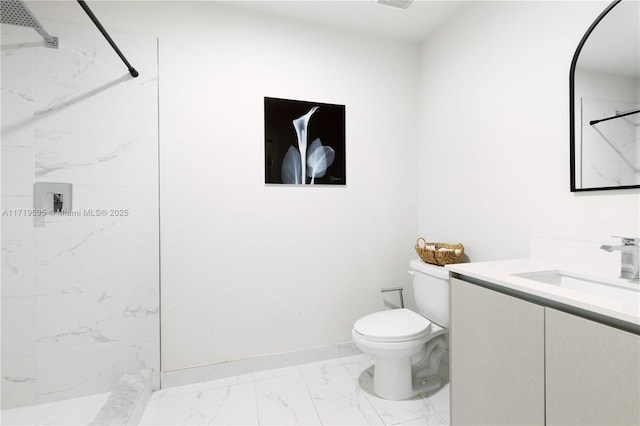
(431, 290)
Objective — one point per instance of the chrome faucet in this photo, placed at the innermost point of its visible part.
(630, 257)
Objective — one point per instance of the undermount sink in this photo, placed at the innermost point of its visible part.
(626, 295)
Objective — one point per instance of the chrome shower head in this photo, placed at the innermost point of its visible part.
(15, 12)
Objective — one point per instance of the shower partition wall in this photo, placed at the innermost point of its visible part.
(80, 291)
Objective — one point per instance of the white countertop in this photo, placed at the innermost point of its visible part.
(500, 273)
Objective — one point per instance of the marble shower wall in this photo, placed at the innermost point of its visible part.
(609, 150)
(80, 294)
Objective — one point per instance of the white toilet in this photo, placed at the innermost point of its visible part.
(408, 346)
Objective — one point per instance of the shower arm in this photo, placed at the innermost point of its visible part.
(617, 115)
(104, 32)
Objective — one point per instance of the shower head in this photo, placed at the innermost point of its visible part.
(15, 12)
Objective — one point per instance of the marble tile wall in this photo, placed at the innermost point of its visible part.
(608, 149)
(80, 294)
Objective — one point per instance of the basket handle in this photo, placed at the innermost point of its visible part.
(424, 242)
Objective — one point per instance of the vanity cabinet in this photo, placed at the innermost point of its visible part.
(497, 358)
(592, 372)
(515, 362)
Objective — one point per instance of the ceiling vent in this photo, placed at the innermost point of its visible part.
(402, 4)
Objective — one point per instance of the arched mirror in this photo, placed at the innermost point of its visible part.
(604, 91)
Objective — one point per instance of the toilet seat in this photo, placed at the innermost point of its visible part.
(395, 325)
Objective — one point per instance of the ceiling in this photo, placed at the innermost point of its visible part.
(366, 16)
(413, 24)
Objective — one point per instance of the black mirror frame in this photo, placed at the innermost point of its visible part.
(572, 108)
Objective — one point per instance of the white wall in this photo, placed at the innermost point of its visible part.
(494, 132)
(249, 269)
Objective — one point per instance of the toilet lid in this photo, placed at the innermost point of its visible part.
(393, 324)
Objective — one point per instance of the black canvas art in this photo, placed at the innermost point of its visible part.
(304, 142)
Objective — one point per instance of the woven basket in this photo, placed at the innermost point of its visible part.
(431, 253)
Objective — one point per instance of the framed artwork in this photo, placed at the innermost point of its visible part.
(304, 143)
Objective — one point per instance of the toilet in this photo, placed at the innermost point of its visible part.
(409, 346)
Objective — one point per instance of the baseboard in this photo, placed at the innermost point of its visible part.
(221, 370)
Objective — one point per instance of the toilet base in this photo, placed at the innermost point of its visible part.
(398, 376)
(393, 379)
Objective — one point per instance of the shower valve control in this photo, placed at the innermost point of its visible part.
(54, 198)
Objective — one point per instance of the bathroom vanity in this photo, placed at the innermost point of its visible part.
(531, 344)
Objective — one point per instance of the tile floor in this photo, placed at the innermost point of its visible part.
(333, 392)
(76, 411)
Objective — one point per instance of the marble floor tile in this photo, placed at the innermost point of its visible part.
(441, 419)
(172, 408)
(227, 381)
(230, 405)
(285, 400)
(276, 372)
(76, 411)
(338, 398)
(31, 415)
(331, 392)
